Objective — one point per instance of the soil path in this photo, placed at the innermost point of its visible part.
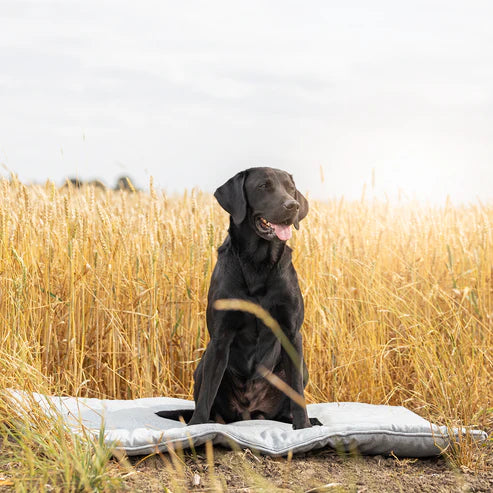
(317, 471)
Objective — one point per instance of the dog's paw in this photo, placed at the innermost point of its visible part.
(197, 419)
(302, 425)
(315, 422)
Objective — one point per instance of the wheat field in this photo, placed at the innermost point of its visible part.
(103, 294)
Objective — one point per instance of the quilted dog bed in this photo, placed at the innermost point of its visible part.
(132, 426)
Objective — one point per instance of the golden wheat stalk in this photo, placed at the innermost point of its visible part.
(105, 294)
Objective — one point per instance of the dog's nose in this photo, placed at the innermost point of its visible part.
(292, 205)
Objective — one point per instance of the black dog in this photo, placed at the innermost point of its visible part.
(254, 263)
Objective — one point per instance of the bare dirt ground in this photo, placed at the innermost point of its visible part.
(318, 471)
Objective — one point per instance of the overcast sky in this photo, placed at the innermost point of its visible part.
(192, 92)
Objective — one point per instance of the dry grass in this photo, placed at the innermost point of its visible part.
(104, 293)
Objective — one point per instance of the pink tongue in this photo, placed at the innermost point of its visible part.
(283, 232)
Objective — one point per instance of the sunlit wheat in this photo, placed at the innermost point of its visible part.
(104, 294)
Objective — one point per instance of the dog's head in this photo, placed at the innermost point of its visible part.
(265, 197)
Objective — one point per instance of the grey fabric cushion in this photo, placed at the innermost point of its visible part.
(133, 426)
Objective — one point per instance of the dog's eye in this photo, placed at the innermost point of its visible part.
(264, 186)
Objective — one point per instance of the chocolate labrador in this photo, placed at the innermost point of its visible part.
(254, 263)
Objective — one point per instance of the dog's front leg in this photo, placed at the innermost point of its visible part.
(214, 364)
(294, 378)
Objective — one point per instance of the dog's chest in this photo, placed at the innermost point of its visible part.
(254, 345)
(256, 282)
(263, 281)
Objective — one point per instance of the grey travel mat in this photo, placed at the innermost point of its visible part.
(132, 426)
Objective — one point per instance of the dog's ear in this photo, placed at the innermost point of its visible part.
(303, 211)
(231, 197)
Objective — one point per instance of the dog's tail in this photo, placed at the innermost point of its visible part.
(176, 414)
